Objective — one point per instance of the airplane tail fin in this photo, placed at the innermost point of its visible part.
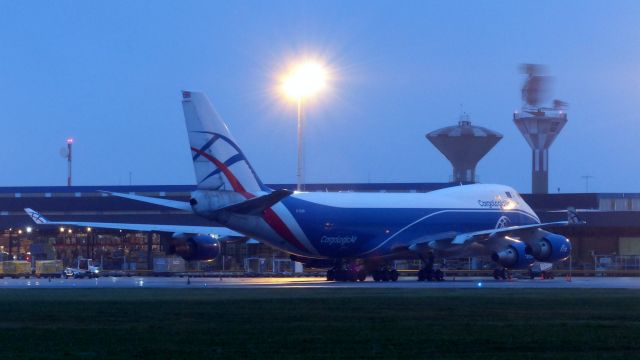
(218, 162)
(36, 216)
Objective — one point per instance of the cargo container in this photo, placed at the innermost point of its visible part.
(49, 268)
(168, 265)
(16, 269)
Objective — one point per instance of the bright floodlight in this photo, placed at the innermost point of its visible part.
(29, 229)
(305, 80)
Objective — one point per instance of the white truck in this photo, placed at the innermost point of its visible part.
(84, 268)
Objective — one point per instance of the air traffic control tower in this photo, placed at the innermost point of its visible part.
(539, 125)
(464, 145)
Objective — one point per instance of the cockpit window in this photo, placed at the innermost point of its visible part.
(509, 194)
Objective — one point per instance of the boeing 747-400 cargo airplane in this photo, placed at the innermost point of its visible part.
(337, 230)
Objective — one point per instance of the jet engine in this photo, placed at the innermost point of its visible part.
(194, 247)
(549, 247)
(513, 256)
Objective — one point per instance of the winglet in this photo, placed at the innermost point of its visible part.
(36, 216)
(572, 217)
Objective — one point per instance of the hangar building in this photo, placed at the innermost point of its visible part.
(611, 236)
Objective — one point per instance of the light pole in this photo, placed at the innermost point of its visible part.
(586, 181)
(89, 238)
(18, 244)
(302, 82)
(299, 171)
(10, 243)
(69, 159)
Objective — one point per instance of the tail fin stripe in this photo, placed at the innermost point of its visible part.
(226, 139)
(269, 215)
(232, 160)
(280, 227)
(237, 149)
(206, 146)
(235, 184)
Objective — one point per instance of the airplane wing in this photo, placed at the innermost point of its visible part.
(506, 231)
(187, 229)
(174, 204)
(514, 231)
(572, 219)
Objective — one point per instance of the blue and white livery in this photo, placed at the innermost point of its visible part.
(339, 228)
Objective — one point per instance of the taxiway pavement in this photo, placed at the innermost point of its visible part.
(317, 282)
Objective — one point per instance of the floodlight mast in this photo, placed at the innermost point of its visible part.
(300, 167)
(303, 81)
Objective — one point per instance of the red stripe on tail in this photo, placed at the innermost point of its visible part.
(235, 184)
(269, 216)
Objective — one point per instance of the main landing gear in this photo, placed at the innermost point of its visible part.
(349, 273)
(427, 273)
(353, 273)
(501, 273)
(385, 273)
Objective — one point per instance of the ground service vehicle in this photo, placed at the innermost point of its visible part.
(84, 268)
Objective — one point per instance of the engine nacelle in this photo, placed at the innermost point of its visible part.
(198, 247)
(550, 248)
(513, 256)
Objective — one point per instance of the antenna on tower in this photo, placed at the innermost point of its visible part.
(66, 153)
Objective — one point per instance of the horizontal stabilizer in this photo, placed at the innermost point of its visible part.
(256, 205)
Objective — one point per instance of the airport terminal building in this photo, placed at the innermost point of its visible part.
(609, 239)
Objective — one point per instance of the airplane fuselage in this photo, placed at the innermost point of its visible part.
(362, 225)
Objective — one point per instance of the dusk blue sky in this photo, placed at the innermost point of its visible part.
(109, 73)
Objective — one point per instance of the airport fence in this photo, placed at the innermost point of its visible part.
(617, 262)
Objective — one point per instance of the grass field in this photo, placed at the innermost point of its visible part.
(319, 323)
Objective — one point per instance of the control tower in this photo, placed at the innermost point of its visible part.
(539, 125)
(464, 145)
